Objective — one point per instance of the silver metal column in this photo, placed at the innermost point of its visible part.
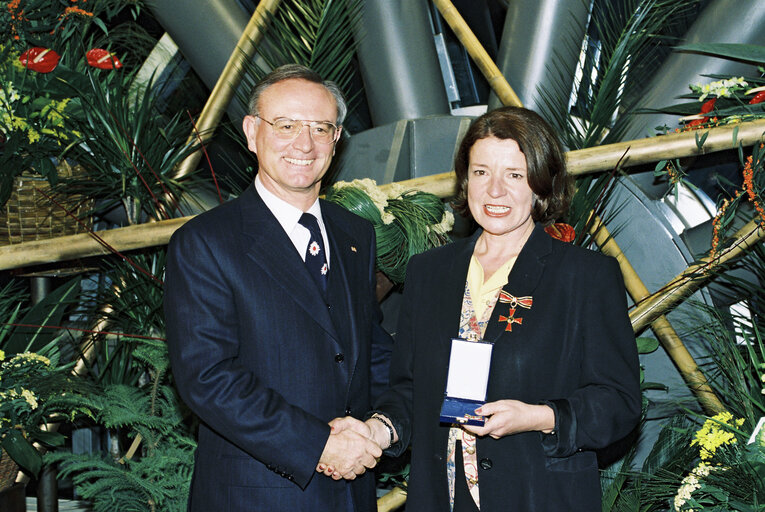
(398, 61)
(540, 43)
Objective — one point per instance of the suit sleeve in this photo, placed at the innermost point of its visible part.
(396, 402)
(607, 405)
(203, 341)
(382, 344)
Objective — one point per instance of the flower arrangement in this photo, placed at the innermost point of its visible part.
(721, 101)
(43, 63)
(33, 122)
(32, 387)
(729, 474)
(406, 222)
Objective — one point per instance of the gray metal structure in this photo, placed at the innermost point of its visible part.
(540, 44)
(398, 61)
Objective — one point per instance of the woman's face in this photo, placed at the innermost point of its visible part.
(499, 195)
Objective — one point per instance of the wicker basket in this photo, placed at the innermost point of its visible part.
(8, 470)
(30, 215)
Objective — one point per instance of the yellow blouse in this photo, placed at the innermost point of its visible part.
(485, 293)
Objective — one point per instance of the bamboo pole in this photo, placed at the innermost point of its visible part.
(664, 147)
(391, 501)
(228, 81)
(71, 247)
(581, 161)
(661, 327)
(694, 277)
(482, 59)
(626, 154)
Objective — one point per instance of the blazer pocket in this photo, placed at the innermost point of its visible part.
(580, 461)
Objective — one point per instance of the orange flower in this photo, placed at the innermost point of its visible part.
(749, 188)
(716, 228)
(77, 10)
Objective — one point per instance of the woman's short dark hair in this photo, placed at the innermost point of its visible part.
(545, 160)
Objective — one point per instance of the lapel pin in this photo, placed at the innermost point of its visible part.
(353, 248)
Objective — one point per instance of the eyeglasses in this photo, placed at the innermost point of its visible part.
(289, 129)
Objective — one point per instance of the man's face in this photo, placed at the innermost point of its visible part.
(292, 169)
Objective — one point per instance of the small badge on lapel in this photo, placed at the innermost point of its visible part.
(514, 302)
(353, 248)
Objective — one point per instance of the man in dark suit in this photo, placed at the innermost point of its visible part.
(272, 322)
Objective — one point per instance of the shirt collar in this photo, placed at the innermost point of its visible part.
(287, 215)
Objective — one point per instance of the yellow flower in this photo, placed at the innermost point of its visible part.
(33, 135)
(29, 396)
(2, 355)
(711, 436)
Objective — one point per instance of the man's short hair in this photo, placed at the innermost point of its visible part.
(297, 72)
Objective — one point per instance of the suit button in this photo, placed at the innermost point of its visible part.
(348, 411)
(486, 464)
(339, 358)
(329, 306)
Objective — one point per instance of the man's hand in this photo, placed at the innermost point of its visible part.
(349, 450)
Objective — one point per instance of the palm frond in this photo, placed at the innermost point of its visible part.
(317, 34)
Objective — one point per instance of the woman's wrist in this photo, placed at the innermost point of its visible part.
(546, 419)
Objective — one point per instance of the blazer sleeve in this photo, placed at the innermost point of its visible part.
(204, 341)
(607, 404)
(382, 344)
(396, 402)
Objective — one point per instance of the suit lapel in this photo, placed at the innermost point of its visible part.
(452, 312)
(344, 268)
(522, 281)
(271, 249)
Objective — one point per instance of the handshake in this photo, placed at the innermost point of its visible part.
(354, 446)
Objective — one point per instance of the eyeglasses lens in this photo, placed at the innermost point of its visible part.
(290, 129)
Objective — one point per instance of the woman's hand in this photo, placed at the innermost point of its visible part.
(505, 417)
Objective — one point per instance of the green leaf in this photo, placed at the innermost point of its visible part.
(749, 52)
(100, 24)
(700, 140)
(22, 451)
(48, 311)
(647, 345)
(49, 438)
(659, 169)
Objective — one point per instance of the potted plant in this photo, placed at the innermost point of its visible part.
(49, 50)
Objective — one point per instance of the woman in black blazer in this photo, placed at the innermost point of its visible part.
(564, 372)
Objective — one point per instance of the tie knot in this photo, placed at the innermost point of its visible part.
(307, 220)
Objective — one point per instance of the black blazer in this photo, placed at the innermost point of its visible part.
(574, 350)
(265, 361)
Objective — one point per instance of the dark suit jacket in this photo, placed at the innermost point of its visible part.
(265, 361)
(574, 350)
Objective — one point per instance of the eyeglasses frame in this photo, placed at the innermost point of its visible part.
(303, 124)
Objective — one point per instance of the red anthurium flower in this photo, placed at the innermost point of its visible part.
(561, 231)
(102, 59)
(758, 98)
(697, 122)
(42, 60)
(708, 106)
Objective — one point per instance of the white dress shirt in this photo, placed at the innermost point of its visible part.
(288, 216)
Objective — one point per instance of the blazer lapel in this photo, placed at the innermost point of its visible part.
(344, 269)
(452, 312)
(522, 281)
(271, 249)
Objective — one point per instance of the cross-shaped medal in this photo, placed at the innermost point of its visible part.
(510, 319)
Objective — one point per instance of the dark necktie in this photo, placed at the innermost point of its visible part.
(315, 257)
